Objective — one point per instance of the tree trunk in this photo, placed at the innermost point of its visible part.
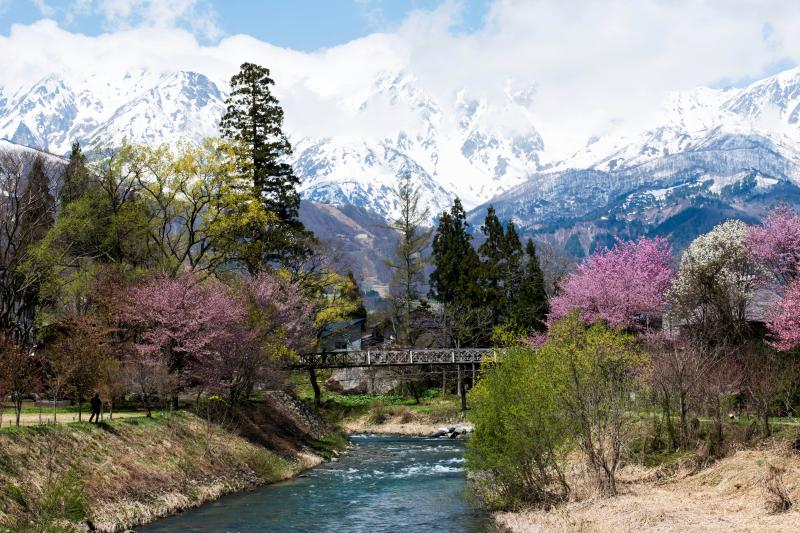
(444, 382)
(673, 438)
(174, 402)
(312, 374)
(80, 408)
(461, 390)
(18, 407)
(766, 429)
(684, 424)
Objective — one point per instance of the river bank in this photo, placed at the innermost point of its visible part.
(118, 475)
(737, 493)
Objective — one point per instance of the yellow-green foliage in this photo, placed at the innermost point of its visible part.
(521, 437)
(123, 473)
(535, 406)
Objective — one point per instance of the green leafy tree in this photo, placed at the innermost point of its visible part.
(352, 292)
(254, 122)
(600, 368)
(408, 263)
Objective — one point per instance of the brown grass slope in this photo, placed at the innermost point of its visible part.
(128, 472)
(734, 494)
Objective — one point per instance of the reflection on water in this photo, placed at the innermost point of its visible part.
(401, 484)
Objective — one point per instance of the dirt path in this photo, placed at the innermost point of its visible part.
(33, 419)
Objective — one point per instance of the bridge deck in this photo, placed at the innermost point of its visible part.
(398, 357)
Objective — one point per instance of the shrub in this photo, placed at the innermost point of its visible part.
(779, 499)
(377, 412)
(521, 438)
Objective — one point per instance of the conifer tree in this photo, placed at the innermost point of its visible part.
(254, 122)
(492, 269)
(76, 176)
(455, 276)
(37, 216)
(531, 306)
(512, 263)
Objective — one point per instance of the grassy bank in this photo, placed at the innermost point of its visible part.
(127, 472)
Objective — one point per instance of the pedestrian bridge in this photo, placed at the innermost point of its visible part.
(398, 357)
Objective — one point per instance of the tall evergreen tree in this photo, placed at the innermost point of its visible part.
(254, 122)
(531, 306)
(76, 176)
(38, 214)
(492, 268)
(455, 275)
(408, 263)
(512, 263)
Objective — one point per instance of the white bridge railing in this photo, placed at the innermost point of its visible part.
(399, 357)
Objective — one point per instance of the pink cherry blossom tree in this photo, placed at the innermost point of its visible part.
(623, 286)
(776, 243)
(784, 320)
(283, 311)
(183, 324)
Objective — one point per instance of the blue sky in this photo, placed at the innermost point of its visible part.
(305, 25)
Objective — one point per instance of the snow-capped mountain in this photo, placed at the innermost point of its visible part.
(708, 153)
(447, 153)
(711, 155)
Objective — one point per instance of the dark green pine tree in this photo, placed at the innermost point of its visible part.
(512, 263)
(254, 122)
(454, 279)
(492, 267)
(531, 307)
(76, 176)
(38, 206)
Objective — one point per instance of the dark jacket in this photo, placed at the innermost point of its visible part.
(96, 404)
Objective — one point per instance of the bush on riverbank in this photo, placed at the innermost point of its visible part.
(530, 411)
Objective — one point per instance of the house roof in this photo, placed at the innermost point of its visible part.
(337, 327)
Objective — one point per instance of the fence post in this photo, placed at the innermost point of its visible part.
(368, 359)
(453, 356)
(411, 357)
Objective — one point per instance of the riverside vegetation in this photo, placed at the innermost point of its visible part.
(671, 392)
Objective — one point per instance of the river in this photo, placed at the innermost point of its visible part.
(382, 484)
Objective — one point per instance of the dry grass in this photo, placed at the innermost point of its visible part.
(132, 471)
(732, 494)
(398, 421)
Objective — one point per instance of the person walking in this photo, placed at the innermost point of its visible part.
(97, 405)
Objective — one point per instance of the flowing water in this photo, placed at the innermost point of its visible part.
(383, 484)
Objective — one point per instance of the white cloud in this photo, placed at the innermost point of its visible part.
(44, 8)
(593, 63)
(196, 15)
